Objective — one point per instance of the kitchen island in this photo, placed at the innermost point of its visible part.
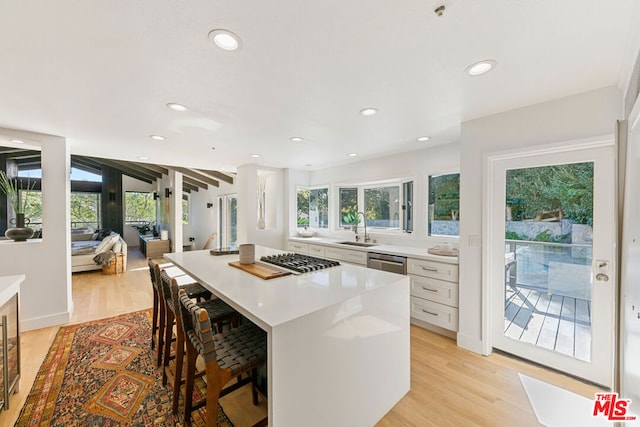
(338, 339)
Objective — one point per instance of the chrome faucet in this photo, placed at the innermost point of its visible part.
(355, 229)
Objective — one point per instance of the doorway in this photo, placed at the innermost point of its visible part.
(550, 252)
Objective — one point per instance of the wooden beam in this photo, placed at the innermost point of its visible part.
(189, 186)
(142, 176)
(195, 182)
(221, 176)
(133, 166)
(156, 168)
(196, 175)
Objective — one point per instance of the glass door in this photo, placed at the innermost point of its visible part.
(228, 220)
(552, 276)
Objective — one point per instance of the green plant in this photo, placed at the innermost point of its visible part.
(11, 188)
(351, 218)
(512, 235)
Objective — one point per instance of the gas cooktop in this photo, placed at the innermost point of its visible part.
(299, 263)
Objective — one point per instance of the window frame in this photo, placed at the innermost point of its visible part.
(312, 188)
(428, 204)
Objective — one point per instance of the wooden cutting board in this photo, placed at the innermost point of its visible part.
(262, 271)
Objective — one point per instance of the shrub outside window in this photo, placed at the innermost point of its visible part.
(444, 205)
(313, 207)
(348, 205)
(382, 207)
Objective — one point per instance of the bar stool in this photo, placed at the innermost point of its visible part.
(219, 312)
(227, 355)
(194, 290)
(155, 285)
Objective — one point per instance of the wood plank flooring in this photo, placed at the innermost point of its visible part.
(449, 386)
(554, 322)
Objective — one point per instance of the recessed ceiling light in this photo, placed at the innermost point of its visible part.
(481, 67)
(225, 39)
(213, 148)
(296, 139)
(255, 156)
(423, 138)
(177, 107)
(352, 154)
(368, 112)
(308, 164)
(157, 137)
(16, 141)
(143, 158)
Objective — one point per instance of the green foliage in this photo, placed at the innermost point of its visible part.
(85, 209)
(532, 191)
(351, 218)
(543, 236)
(17, 192)
(382, 203)
(139, 207)
(348, 204)
(444, 195)
(313, 201)
(512, 235)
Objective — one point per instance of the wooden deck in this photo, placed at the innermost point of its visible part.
(553, 321)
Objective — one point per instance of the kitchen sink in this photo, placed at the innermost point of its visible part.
(362, 245)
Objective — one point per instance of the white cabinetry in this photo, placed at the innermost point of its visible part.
(301, 248)
(317, 250)
(434, 293)
(346, 255)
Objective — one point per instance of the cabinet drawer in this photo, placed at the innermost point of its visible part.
(316, 250)
(345, 255)
(436, 270)
(434, 313)
(301, 248)
(435, 290)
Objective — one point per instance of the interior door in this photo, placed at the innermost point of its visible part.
(551, 246)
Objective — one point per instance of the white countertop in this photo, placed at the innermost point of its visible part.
(276, 301)
(408, 251)
(9, 286)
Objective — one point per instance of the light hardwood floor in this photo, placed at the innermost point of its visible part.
(449, 386)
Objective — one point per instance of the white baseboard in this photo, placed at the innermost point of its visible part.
(45, 321)
(433, 328)
(469, 343)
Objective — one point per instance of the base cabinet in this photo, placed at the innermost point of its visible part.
(152, 247)
(9, 346)
(434, 293)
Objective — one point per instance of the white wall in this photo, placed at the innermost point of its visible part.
(45, 295)
(415, 165)
(204, 221)
(580, 116)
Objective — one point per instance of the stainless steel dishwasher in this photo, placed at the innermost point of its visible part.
(384, 262)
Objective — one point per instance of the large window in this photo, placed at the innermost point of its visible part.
(444, 205)
(382, 206)
(348, 206)
(313, 207)
(85, 210)
(140, 208)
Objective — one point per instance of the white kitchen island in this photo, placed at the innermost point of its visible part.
(338, 339)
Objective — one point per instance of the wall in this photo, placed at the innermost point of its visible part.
(204, 221)
(580, 116)
(45, 295)
(415, 165)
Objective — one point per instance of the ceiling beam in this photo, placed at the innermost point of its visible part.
(132, 166)
(157, 168)
(196, 175)
(128, 170)
(221, 176)
(197, 183)
(190, 187)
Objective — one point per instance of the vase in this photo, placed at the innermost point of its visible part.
(19, 233)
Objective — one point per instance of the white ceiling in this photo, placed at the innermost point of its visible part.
(101, 72)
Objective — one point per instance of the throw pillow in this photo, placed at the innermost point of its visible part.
(107, 243)
(117, 247)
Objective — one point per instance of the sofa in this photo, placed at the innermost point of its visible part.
(85, 247)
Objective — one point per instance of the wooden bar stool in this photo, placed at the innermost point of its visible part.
(194, 289)
(219, 312)
(155, 285)
(227, 355)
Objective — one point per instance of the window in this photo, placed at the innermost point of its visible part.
(85, 210)
(444, 205)
(31, 200)
(228, 220)
(185, 208)
(407, 206)
(382, 206)
(348, 206)
(140, 208)
(313, 207)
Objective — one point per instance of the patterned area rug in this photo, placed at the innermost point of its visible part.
(103, 373)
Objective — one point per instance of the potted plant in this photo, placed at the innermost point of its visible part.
(10, 188)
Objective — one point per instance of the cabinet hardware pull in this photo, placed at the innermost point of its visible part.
(430, 290)
(430, 312)
(430, 268)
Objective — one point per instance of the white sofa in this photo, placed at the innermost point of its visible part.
(83, 250)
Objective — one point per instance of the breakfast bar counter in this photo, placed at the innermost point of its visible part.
(338, 339)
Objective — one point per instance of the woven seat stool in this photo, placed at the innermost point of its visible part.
(227, 355)
(219, 312)
(155, 285)
(194, 290)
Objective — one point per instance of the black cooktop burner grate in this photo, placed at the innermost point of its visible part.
(299, 263)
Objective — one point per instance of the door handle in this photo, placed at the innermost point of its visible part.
(601, 277)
